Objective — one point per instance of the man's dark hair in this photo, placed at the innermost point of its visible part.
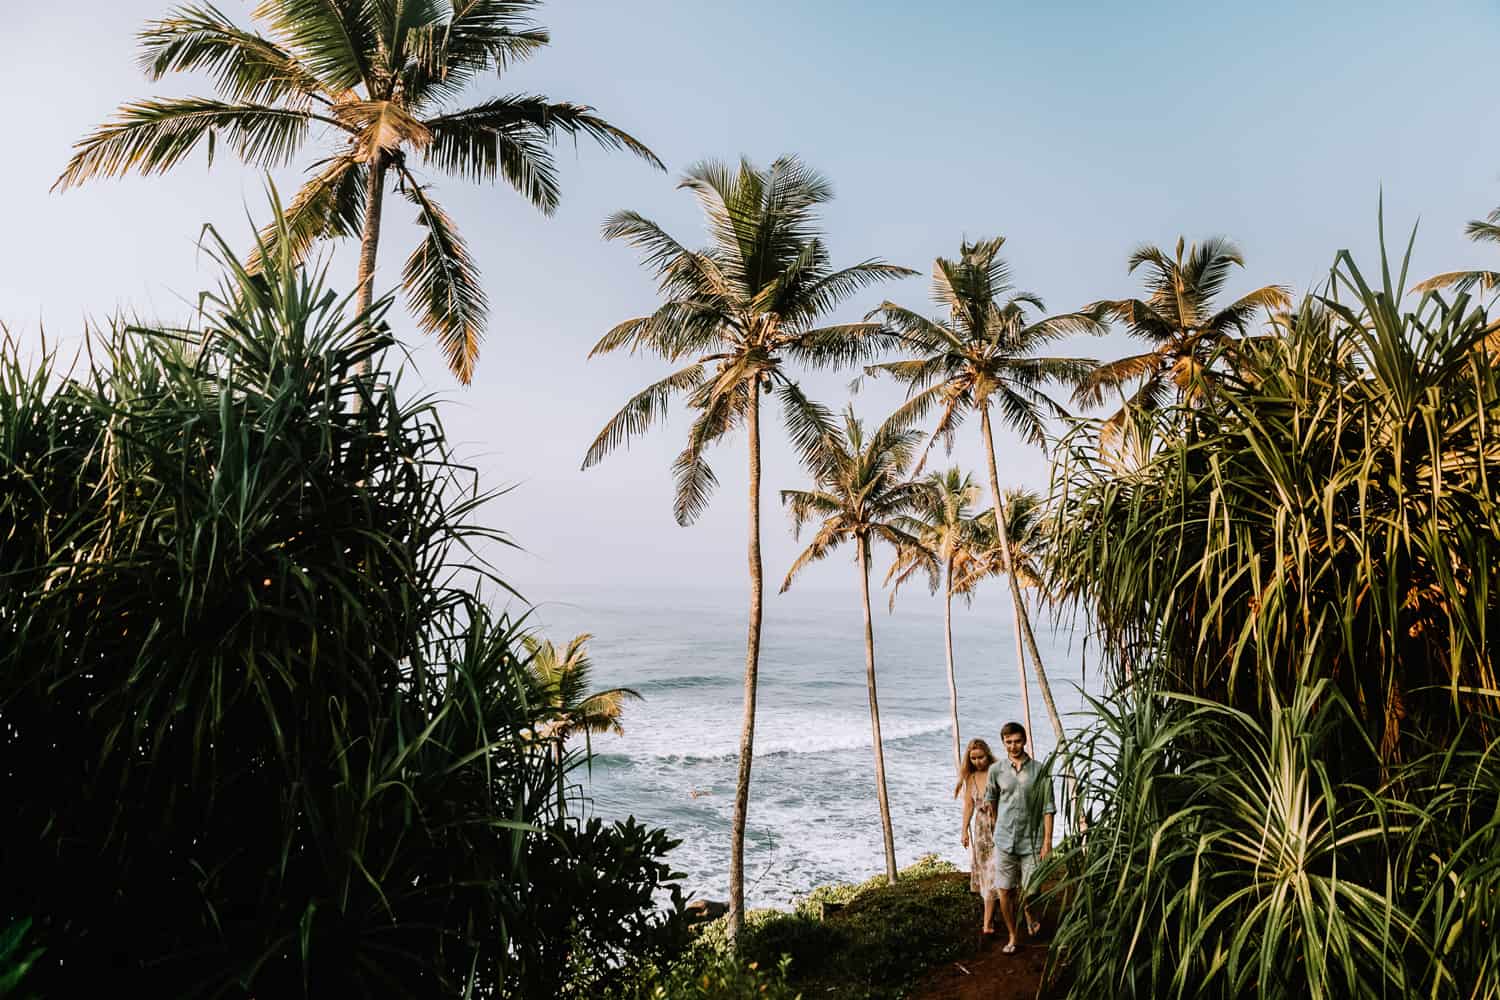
(1012, 729)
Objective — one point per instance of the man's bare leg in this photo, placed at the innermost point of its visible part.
(1008, 913)
(989, 912)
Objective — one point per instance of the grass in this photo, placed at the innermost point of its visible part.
(870, 941)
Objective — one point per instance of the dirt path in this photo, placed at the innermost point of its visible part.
(989, 975)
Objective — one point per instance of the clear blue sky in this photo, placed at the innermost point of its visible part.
(1076, 130)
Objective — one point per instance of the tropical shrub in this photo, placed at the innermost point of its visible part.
(262, 736)
(1293, 790)
(591, 908)
(1330, 514)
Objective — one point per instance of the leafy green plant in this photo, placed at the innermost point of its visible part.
(591, 908)
(1293, 790)
(16, 958)
(248, 674)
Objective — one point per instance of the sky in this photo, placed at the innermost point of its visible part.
(1077, 131)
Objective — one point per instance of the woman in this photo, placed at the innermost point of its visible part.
(979, 827)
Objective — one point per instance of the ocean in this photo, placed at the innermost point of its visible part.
(813, 816)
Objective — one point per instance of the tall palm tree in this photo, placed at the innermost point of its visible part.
(560, 681)
(947, 542)
(740, 308)
(1178, 322)
(380, 81)
(861, 493)
(983, 356)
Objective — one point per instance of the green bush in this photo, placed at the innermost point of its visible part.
(262, 735)
(591, 916)
(1294, 791)
(711, 975)
(16, 958)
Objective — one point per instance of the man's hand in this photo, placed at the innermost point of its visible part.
(1046, 850)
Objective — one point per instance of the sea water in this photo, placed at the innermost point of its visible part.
(813, 816)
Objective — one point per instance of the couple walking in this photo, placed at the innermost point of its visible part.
(1007, 826)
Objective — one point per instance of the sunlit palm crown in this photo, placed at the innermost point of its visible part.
(741, 307)
(861, 490)
(381, 81)
(561, 680)
(1178, 320)
(944, 526)
(1023, 523)
(983, 352)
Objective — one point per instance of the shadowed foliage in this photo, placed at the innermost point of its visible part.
(248, 685)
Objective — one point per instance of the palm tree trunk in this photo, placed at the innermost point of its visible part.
(958, 753)
(752, 666)
(1015, 586)
(862, 545)
(369, 244)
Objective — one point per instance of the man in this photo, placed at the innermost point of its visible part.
(1021, 793)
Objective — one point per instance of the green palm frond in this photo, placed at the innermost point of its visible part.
(332, 203)
(335, 39)
(512, 137)
(245, 66)
(152, 137)
(644, 409)
(385, 76)
(443, 283)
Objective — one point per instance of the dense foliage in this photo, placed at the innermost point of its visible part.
(1295, 790)
(261, 735)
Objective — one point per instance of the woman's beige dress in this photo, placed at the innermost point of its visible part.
(981, 839)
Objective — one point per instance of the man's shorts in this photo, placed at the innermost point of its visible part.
(1013, 870)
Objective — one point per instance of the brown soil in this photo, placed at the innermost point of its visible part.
(989, 975)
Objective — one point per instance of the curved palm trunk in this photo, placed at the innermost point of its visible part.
(1015, 588)
(752, 667)
(958, 753)
(862, 545)
(369, 244)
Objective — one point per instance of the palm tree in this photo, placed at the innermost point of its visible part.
(947, 542)
(741, 308)
(559, 681)
(380, 81)
(1177, 321)
(1485, 230)
(861, 494)
(983, 356)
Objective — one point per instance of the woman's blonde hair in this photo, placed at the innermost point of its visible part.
(967, 767)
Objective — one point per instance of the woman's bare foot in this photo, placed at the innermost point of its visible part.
(1010, 947)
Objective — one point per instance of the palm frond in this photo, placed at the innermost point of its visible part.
(335, 39)
(512, 137)
(644, 409)
(331, 204)
(153, 136)
(245, 66)
(443, 282)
